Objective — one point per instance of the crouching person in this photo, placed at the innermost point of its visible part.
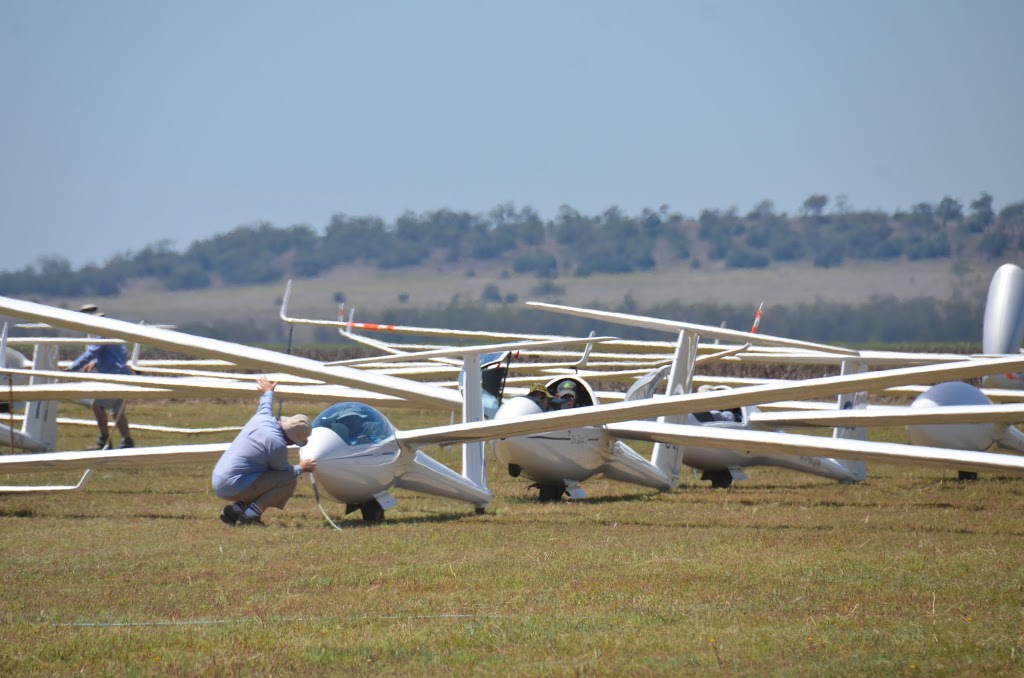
(254, 473)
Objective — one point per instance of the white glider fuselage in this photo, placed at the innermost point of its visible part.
(715, 459)
(571, 456)
(358, 468)
(352, 474)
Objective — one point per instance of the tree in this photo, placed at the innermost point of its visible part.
(401, 254)
(484, 242)
(815, 205)
(530, 228)
(949, 211)
(1007, 234)
(762, 210)
(721, 230)
(677, 239)
(744, 257)
(829, 255)
(542, 264)
(572, 228)
(981, 214)
(188, 275)
(521, 226)
(651, 223)
(491, 293)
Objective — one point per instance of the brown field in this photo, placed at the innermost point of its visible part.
(367, 289)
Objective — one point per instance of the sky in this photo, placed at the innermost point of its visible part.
(126, 123)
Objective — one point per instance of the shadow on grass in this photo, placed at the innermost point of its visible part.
(358, 523)
(18, 513)
(533, 500)
(147, 491)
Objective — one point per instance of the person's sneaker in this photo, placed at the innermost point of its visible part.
(246, 521)
(102, 442)
(127, 442)
(230, 514)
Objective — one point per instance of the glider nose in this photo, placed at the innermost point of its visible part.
(323, 444)
(955, 436)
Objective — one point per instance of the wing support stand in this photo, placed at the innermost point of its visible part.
(474, 463)
(667, 457)
(858, 470)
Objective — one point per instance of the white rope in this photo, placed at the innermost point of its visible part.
(247, 620)
(311, 479)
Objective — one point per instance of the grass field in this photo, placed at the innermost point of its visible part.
(909, 573)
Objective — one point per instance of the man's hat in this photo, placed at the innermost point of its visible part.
(296, 428)
(540, 388)
(566, 388)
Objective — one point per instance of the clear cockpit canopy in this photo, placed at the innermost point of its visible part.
(355, 423)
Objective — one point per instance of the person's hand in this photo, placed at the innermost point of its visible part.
(264, 384)
(307, 465)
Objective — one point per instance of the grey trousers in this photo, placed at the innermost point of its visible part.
(273, 488)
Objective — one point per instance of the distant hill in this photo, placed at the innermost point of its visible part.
(464, 296)
(823, 267)
(572, 245)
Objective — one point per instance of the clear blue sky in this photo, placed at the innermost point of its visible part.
(123, 123)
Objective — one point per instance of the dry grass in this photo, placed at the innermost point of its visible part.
(785, 574)
(371, 290)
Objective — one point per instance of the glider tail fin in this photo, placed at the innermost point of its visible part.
(1003, 330)
(41, 415)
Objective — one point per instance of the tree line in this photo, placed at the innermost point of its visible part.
(825, 232)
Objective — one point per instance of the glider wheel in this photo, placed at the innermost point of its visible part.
(720, 479)
(372, 512)
(550, 493)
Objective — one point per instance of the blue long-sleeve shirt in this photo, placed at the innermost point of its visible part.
(258, 448)
(110, 359)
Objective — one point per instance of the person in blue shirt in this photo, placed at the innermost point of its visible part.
(254, 473)
(106, 359)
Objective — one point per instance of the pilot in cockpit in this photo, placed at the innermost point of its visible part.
(716, 415)
(566, 392)
(350, 428)
(540, 395)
